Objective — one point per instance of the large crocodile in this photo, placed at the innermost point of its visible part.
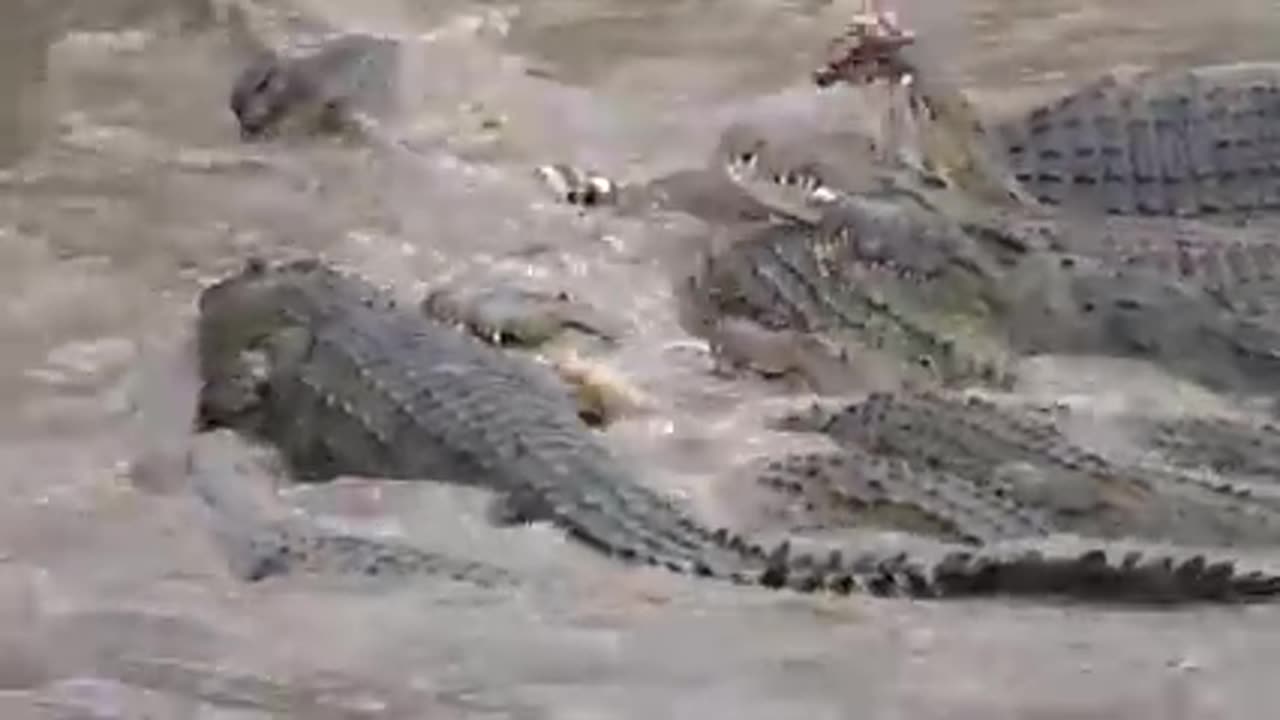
(345, 380)
(869, 267)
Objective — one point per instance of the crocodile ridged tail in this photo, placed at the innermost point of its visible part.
(1134, 578)
(1148, 576)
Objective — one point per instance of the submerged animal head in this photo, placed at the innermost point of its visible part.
(264, 93)
(242, 322)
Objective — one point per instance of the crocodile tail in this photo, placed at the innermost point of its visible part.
(1136, 578)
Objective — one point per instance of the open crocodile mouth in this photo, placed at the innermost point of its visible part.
(798, 192)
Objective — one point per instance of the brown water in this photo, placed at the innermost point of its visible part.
(125, 186)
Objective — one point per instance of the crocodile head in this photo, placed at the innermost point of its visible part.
(318, 90)
(243, 325)
(264, 93)
(798, 172)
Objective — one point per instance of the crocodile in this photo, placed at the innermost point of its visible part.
(890, 274)
(343, 379)
(953, 270)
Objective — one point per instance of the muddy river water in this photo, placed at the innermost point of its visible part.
(124, 186)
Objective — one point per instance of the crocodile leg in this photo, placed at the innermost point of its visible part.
(895, 274)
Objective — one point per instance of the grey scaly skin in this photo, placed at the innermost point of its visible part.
(854, 487)
(1034, 471)
(1193, 142)
(1028, 278)
(1232, 447)
(341, 379)
(1239, 267)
